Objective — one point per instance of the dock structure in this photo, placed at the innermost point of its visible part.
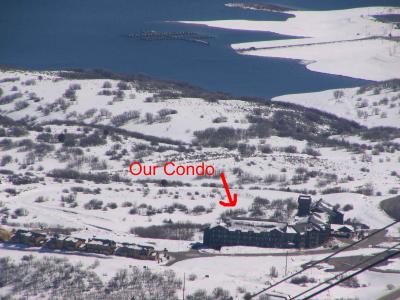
(186, 36)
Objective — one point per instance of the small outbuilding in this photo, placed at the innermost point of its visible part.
(345, 231)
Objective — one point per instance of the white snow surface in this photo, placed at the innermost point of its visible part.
(368, 109)
(346, 42)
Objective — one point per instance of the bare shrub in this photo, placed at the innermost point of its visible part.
(246, 150)
(289, 149)
(166, 111)
(21, 212)
(123, 85)
(367, 189)
(20, 105)
(150, 118)
(107, 85)
(348, 207)
(350, 283)
(9, 98)
(192, 277)
(70, 94)
(273, 272)
(220, 119)
(302, 280)
(75, 86)
(93, 204)
(172, 231)
(311, 151)
(267, 149)
(198, 209)
(125, 117)
(338, 94)
(6, 159)
(222, 136)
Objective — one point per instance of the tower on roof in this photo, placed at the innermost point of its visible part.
(304, 204)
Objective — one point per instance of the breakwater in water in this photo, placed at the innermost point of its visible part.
(186, 36)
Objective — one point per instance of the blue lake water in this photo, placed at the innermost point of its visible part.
(65, 34)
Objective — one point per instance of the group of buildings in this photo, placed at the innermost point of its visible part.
(313, 225)
(93, 245)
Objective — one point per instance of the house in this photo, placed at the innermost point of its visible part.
(55, 242)
(360, 227)
(74, 243)
(102, 246)
(345, 231)
(29, 238)
(135, 251)
(67, 243)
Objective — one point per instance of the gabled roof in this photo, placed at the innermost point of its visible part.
(290, 229)
(304, 227)
(343, 228)
(255, 225)
(319, 218)
(135, 246)
(28, 233)
(73, 239)
(323, 206)
(256, 220)
(250, 224)
(304, 197)
(103, 242)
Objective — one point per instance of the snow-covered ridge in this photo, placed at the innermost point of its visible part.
(377, 106)
(344, 42)
(44, 97)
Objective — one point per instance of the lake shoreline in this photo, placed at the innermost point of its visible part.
(345, 31)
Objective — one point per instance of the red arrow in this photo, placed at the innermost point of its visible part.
(231, 202)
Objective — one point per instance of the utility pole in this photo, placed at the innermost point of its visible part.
(287, 252)
(183, 289)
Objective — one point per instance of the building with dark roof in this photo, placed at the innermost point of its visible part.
(265, 233)
(102, 246)
(304, 205)
(135, 251)
(63, 242)
(29, 238)
(310, 228)
(320, 207)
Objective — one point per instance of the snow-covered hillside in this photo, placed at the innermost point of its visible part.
(49, 98)
(66, 146)
(377, 105)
